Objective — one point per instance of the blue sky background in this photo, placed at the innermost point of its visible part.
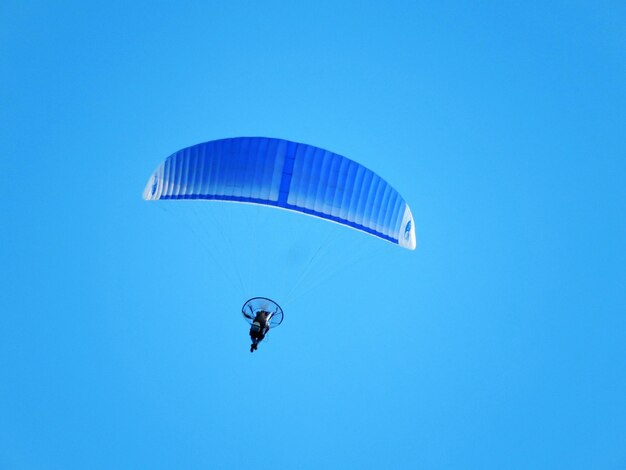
(499, 343)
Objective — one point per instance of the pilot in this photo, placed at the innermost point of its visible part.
(259, 328)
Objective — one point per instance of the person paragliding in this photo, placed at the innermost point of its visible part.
(287, 175)
(259, 328)
(262, 314)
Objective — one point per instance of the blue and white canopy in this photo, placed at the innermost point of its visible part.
(287, 175)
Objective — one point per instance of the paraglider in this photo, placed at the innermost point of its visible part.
(262, 314)
(286, 175)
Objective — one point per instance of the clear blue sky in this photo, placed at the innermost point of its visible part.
(499, 343)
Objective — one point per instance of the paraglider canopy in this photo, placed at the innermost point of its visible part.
(290, 176)
(257, 304)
